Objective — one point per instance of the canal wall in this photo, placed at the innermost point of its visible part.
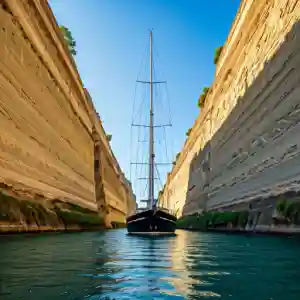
(49, 127)
(244, 145)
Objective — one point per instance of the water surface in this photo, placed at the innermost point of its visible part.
(113, 265)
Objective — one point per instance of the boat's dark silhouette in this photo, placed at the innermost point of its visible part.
(154, 220)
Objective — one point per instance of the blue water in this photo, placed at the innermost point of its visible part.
(113, 265)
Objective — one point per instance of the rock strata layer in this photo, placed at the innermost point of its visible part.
(47, 118)
(245, 143)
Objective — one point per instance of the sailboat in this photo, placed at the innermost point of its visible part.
(152, 220)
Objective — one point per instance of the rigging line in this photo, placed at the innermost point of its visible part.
(142, 171)
(134, 100)
(137, 148)
(139, 152)
(170, 120)
(138, 73)
(154, 49)
(158, 175)
(160, 101)
(160, 105)
(143, 59)
(156, 55)
(141, 147)
(133, 108)
(166, 147)
(169, 103)
(146, 185)
(141, 104)
(131, 131)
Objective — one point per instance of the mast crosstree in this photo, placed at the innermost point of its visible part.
(151, 159)
(155, 219)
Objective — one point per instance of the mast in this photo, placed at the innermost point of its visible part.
(151, 140)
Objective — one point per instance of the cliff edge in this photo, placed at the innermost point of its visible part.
(47, 121)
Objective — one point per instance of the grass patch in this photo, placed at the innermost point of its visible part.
(17, 211)
(7, 206)
(209, 220)
(13, 210)
(290, 210)
(73, 214)
(77, 218)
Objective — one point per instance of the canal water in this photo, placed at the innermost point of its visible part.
(113, 265)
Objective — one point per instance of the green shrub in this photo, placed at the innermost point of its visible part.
(109, 137)
(281, 206)
(290, 210)
(218, 52)
(202, 98)
(188, 132)
(71, 43)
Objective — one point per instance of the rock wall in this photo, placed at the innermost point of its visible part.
(47, 117)
(245, 142)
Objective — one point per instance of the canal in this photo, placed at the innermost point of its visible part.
(112, 265)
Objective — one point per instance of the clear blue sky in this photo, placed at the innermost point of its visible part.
(111, 38)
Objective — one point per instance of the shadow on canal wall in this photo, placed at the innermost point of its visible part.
(253, 160)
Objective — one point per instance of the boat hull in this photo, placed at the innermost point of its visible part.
(151, 222)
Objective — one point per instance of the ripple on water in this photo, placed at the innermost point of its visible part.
(114, 265)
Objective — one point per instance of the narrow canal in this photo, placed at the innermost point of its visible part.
(112, 265)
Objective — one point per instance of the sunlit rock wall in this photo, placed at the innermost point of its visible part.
(245, 142)
(47, 117)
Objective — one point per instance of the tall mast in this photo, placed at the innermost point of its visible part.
(151, 143)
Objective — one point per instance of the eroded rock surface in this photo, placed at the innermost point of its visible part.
(47, 117)
(245, 142)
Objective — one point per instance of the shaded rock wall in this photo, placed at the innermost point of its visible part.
(47, 117)
(244, 144)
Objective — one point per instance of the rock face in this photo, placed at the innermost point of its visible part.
(48, 122)
(245, 143)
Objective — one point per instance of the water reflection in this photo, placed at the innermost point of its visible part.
(111, 264)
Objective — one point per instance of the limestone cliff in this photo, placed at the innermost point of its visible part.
(47, 117)
(245, 143)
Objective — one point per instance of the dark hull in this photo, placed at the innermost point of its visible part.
(152, 221)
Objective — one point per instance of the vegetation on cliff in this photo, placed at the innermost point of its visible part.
(202, 98)
(178, 154)
(54, 214)
(290, 210)
(188, 132)
(209, 220)
(71, 43)
(109, 137)
(218, 52)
